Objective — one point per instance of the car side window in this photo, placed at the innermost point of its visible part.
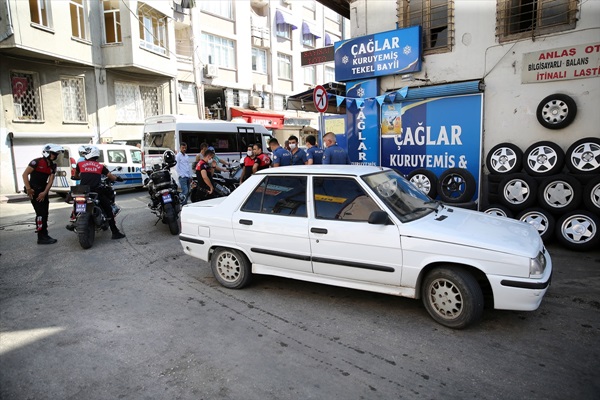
(136, 156)
(117, 156)
(282, 195)
(342, 199)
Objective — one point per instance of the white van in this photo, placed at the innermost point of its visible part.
(111, 155)
(230, 139)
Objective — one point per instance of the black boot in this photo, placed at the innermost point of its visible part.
(116, 234)
(43, 238)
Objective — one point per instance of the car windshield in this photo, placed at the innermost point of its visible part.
(402, 197)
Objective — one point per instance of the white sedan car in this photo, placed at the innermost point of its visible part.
(368, 228)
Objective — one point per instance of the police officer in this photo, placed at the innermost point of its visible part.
(314, 154)
(38, 178)
(298, 155)
(334, 154)
(261, 160)
(249, 162)
(90, 172)
(281, 157)
(204, 173)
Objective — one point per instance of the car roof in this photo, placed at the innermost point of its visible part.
(329, 169)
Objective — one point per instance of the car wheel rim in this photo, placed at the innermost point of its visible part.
(542, 159)
(558, 194)
(503, 160)
(496, 211)
(555, 111)
(228, 267)
(516, 191)
(586, 157)
(422, 183)
(537, 220)
(595, 195)
(578, 229)
(445, 298)
(454, 186)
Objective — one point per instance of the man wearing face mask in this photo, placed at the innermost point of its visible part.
(298, 155)
(281, 156)
(249, 162)
(204, 175)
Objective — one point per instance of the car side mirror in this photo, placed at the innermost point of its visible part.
(379, 218)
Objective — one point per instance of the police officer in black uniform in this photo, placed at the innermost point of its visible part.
(90, 172)
(38, 178)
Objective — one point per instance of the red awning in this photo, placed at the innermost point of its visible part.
(269, 120)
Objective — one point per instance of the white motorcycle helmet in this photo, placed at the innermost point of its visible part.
(52, 148)
(93, 153)
(84, 150)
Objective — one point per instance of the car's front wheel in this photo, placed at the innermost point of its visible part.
(452, 297)
(231, 268)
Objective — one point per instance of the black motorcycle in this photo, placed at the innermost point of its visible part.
(89, 216)
(166, 199)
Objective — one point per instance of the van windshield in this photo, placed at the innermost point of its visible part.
(157, 142)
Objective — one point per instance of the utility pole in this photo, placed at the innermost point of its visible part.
(197, 65)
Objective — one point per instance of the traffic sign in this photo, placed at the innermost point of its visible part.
(320, 98)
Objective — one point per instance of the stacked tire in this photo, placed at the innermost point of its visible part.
(556, 191)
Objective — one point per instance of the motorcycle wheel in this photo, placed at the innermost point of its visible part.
(86, 230)
(171, 219)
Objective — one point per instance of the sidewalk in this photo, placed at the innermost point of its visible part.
(17, 197)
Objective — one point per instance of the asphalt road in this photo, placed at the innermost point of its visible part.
(138, 319)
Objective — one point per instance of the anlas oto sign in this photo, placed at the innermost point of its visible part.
(574, 62)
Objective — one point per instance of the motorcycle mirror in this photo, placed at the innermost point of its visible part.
(73, 165)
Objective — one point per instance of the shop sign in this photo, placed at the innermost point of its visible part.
(362, 131)
(385, 53)
(316, 56)
(573, 62)
(435, 134)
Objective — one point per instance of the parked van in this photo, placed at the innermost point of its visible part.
(111, 155)
(230, 139)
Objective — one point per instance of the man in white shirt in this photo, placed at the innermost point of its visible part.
(184, 171)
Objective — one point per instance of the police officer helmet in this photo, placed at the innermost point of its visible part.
(93, 153)
(169, 157)
(52, 148)
(83, 150)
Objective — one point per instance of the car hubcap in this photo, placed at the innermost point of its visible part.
(503, 159)
(496, 211)
(537, 220)
(516, 192)
(578, 229)
(586, 157)
(558, 194)
(445, 298)
(555, 111)
(542, 159)
(595, 195)
(453, 185)
(422, 183)
(228, 266)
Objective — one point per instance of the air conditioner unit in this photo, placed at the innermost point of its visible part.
(288, 2)
(211, 71)
(255, 102)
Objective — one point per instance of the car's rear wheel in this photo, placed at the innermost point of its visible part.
(231, 268)
(452, 297)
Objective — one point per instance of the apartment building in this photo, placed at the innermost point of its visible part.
(82, 71)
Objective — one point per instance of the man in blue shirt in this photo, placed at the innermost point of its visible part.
(333, 153)
(314, 155)
(298, 155)
(281, 157)
(184, 171)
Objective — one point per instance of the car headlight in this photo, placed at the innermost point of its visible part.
(537, 266)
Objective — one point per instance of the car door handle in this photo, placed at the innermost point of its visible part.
(245, 221)
(318, 230)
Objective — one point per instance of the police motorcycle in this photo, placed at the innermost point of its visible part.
(162, 188)
(89, 216)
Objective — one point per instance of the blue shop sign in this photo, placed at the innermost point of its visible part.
(385, 53)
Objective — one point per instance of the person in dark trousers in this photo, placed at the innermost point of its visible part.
(249, 162)
(334, 154)
(204, 174)
(261, 160)
(38, 178)
(314, 154)
(281, 156)
(90, 172)
(298, 155)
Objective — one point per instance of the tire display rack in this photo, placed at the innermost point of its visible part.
(556, 191)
